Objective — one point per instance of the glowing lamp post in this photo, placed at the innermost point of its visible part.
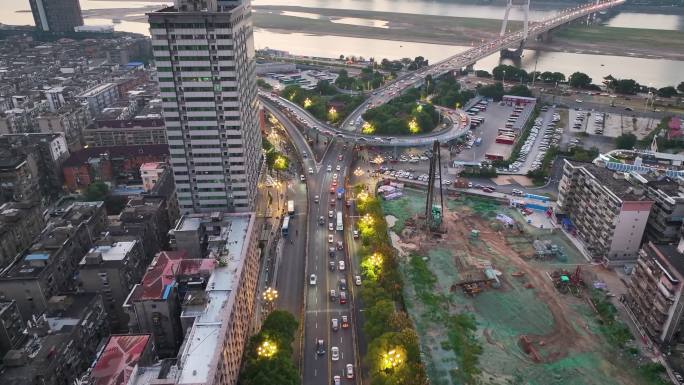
(270, 296)
(267, 349)
(367, 128)
(307, 103)
(332, 114)
(414, 128)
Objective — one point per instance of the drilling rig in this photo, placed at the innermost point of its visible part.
(433, 211)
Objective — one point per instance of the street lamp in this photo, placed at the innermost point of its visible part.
(270, 295)
(503, 80)
(391, 359)
(267, 349)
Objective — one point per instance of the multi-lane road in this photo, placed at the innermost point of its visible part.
(307, 251)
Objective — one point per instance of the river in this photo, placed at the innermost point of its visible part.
(659, 72)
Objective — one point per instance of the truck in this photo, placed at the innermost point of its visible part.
(286, 226)
(494, 156)
(290, 208)
(504, 139)
(340, 225)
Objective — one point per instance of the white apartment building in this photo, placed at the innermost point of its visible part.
(608, 211)
(204, 53)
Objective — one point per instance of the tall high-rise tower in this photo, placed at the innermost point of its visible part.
(204, 53)
(56, 15)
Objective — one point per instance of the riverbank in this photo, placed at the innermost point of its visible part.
(652, 44)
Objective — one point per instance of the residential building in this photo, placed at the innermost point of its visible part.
(18, 176)
(70, 120)
(667, 214)
(127, 132)
(655, 291)
(147, 217)
(100, 97)
(218, 321)
(119, 165)
(111, 267)
(608, 210)
(20, 223)
(204, 53)
(56, 15)
(151, 173)
(120, 358)
(11, 326)
(55, 98)
(61, 344)
(15, 120)
(154, 305)
(50, 151)
(49, 266)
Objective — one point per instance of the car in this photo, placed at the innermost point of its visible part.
(334, 353)
(357, 280)
(340, 157)
(320, 347)
(629, 109)
(341, 264)
(329, 168)
(343, 284)
(350, 371)
(305, 155)
(317, 199)
(331, 265)
(470, 184)
(331, 226)
(335, 176)
(331, 214)
(321, 221)
(310, 170)
(340, 245)
(345, 322)
(356, 234)
(331, 252)
(333, 184)
(312, 279)
(335, 323)
(333, 295)
(343, 297)
(338, 168)
(331, 238)
(336, 380)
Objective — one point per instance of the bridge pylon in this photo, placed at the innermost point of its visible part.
(516, 53)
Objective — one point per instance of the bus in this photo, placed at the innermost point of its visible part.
(290, 208)
(286, 226)
(340, 226)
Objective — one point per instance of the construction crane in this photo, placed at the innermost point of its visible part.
(433, 212)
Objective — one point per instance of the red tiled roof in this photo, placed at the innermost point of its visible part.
(118, 359)
(196, 266)
(81, 156)
(162, 272)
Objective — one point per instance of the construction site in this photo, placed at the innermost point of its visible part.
(526, 288)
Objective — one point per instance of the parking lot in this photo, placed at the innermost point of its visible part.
(544, 134)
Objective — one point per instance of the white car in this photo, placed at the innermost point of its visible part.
(350, 371)
(357, 280)
(338, 168)
(331, 214)
(302, 178)
(312, 279)
(331, 227)
(329, 168)
(356, 234)
(336, 380)
(341, 267)
(334, 353)
(310, 170)
(331, 239)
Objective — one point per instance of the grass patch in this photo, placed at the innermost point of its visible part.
(637, 38)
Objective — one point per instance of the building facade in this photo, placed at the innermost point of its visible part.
(204, 53)
(655, 291)
(56, 15)
(608, 212)
(100, 97)
(11, 326)
(18, 176)
(126, 132)
(20, 223)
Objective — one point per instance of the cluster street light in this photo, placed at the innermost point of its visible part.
(269, 296)
(358, 172)
(391, 359)
(267, 349)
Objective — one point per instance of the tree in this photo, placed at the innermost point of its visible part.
(579, 80)
(281, 323)
(624, 86)
(96, 191)
(667, 92)
(324, 87)
(520, 90)
(625, 141)
(482, 74)
(494, 91)
(263, 84)
(680, 87)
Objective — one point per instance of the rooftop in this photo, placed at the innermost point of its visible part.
(613, 181)
(97, 89)
(667, 255)
(118, 359)
(80, 157)
(117, 251)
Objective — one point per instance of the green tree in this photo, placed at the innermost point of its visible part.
(520, 90)
(667, 92)
(579, 80)
(680, 87)
(324, 87)
(625, 141)
(624, 86)
(96, 191)
(263, 84)
(281, 323)
(494, 91)
(482, 74)
(377, 318)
